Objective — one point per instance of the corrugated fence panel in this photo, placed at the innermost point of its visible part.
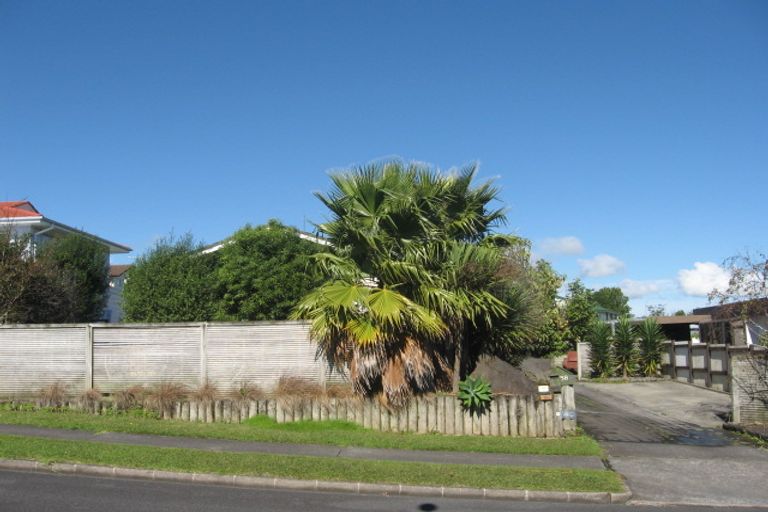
(261, 354)
(34, 357)
(127, 356)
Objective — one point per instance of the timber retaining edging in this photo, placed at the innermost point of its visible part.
(317, 485)
(508, 415)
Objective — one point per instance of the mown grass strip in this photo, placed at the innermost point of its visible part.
(309, 468)
(336, 433)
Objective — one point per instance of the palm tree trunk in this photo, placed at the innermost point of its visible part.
(458, 357)
(456, 368)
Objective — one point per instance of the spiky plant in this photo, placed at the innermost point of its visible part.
(162, 397)
(247, 391)
(475, 395)
(599, 339)
(625, 347)
(53, 395)
(651, 339)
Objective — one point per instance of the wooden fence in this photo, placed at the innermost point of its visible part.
(512, 416)
(701, 364)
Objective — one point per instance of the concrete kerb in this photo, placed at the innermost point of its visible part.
(317, 485)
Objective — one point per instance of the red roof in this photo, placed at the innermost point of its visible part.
(18, 209)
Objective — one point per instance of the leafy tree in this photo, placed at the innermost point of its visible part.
(552, 334)
(263, 272)
(599, 338)
(83, 265)
(680, 312)
(612, 298)
(624, 347)
(656, 310)
(24, 282)
(747, 291)
(63, 284)
(579, 310)
(746, 297)
(172, 282)
(651, 338)
(15, 275)
(415, 283)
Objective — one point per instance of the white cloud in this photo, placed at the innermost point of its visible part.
(703, 278)
(562, 245)
(601, 265)
(636, 289)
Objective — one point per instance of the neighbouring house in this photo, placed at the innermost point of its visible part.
(22, 219)
(605, 314)
(736, 323)
(113, 311)
(681, 327)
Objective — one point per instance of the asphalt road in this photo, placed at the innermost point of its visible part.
(39, 492)
(665, 439)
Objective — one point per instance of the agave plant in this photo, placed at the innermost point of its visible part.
(651, 339)
(475, 394)
(624, 347)
(599, 339)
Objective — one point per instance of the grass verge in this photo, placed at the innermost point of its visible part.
(336, 433)
(310, 468)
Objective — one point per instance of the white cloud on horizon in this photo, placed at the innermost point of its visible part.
(601, 265)
(702, 278)
(637, 289)
(569, 245)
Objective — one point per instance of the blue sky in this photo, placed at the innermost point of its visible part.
(630, 138)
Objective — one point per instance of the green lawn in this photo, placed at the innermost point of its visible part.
(337, 433)
(309, 468)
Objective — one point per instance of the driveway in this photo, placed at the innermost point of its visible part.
(667, 441)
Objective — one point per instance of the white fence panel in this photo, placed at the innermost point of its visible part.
(125, 355)
(261, 354)
(32, 357)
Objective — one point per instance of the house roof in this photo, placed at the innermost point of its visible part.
(735, 309)
(118, 270)
(25, 213)
(15, 209)
(680, 319)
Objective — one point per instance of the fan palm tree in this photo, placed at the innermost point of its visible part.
(409, 281)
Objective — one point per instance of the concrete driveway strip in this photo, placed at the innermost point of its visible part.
(493, 459)
(665, 438)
